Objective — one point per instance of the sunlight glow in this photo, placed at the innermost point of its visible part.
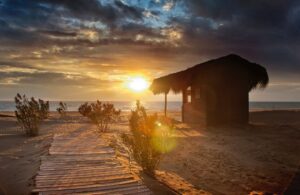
(138, 84)
(164, 139)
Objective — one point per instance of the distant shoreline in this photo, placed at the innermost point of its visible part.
(8, 114)
(158, 105)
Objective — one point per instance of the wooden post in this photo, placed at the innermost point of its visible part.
(184, 101)
(184, 96)
(166, 103)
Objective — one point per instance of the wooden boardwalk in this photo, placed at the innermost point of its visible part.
(82, 163)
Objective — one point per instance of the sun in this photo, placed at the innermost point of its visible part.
(138, 84)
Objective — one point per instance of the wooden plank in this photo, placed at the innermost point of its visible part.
(144, 191)
(105, 167)
(77, 176)
(74, 156)
(101, 190)
(106, 164)
(60, 166)
(125, 190)
(79, 162)
(71, 159)
(88, 188)
(79, 173)
(81, 181)
(78, 152)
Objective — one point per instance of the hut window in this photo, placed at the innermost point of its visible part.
(189, 99)
(189, 94)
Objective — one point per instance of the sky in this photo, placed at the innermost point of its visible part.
(89, 49)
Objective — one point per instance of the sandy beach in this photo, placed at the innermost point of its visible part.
(261, 157)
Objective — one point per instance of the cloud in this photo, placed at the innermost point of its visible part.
(168, 5)
(264, 31)
(56, 33)
(56, 38)
(95, 10)
(129, 11)
(51, 79)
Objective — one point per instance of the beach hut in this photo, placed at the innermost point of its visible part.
(215, 92)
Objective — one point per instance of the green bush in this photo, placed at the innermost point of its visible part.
(101, 114)
(150, 137)
(62, 109)
(30, 113)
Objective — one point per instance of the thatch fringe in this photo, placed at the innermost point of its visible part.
(255, 74)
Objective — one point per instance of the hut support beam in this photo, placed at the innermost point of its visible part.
(184, 101)
(166, 99)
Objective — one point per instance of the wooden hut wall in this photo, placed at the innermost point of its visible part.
(227, 106)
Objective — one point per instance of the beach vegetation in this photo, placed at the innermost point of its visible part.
(85, 109)
(62, 109)
(149, 138)
(30, 113)
(101, 114)
(44, 108)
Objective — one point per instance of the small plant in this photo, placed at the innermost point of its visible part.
(30, 113)
(85, 109)
(44, 109)
(62, 109)
(101, 114)
(150, 137)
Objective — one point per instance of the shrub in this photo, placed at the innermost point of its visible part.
(44, 109)
(30, 113)
(62, 109)
(85, 109)
(101, 114)
(150, 137)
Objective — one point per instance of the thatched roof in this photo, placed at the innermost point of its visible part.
(255, 74)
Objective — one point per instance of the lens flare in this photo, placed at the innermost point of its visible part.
(164, 139)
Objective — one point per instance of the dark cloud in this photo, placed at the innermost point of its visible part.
(16, 64)
(24, 22)
(95, 10)
(58, 33)
(51, 79)
(261, 30)
(129, 11)
(261, 13)
(3, 24)
(91, 9)
(131, 30)
(265, 21)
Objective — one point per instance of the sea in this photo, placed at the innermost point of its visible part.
(158, 105)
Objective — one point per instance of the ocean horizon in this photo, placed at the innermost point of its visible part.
(157, 105)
